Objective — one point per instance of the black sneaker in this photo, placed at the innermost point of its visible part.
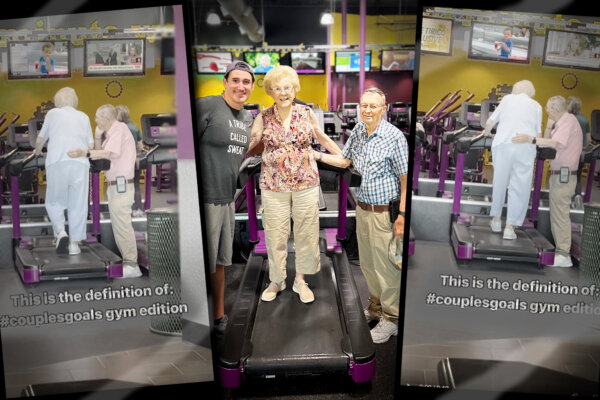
(221, 324)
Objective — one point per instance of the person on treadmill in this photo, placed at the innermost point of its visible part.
(118, 145)
(123, 116)
(566, 137)
(379, 152)
(574, 107)
(289, 181)
(513, 163)
(223, 135)
(67, 180)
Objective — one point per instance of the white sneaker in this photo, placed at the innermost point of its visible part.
(496, 224)
(131, 271)
(271, 291)
(62, 243)
(371, 315)
(74, 249)
(383, 331)
(509, 234)
(561, 261)
(306, 295)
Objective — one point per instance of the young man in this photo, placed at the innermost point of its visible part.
(223, 131)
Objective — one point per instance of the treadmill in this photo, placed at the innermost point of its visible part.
(159, 132)
(286, 337)
(471, 236)
(35, 257)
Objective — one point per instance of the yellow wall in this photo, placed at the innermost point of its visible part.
(439, 75)
(152, 93)
(311, 89)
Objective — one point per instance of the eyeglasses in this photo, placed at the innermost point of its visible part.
(373, 107)
(278, 90)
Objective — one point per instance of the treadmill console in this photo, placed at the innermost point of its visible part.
(399, 115)
(253, 108)
(487, 108)
(349, 115)
(470, 115)
(159, 129)
(18, 136)
(329, 124)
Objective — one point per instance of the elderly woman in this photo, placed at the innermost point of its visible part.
(513, 163)
(289, 181)
(67, 179)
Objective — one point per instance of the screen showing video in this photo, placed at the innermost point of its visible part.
(397, 60)
(212, 62)
(349, 61)
(308, 63)
(262, 62)
(33, 60)
(110, 57)
(499, 43)
(572, 50)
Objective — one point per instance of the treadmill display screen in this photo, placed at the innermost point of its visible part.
(474, 113)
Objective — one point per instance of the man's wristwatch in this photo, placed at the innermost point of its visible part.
(87, 154)
(533, 140)
(402, 213)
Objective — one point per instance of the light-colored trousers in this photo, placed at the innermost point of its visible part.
(304, 208)
(513, 168)
(376, 251)
(560, 208)
(119, 206)
(67, 186)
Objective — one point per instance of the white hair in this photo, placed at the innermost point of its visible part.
(66, 97)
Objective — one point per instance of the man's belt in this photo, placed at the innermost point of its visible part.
(553, 172)
(372, 207)
(111, 183)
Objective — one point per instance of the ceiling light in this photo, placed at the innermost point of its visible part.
(212, 18)
(326, 18)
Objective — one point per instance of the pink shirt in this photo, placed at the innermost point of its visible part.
(119, 141)
(288, 164)
(567, 132)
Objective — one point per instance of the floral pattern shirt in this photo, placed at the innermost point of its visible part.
(288, 164)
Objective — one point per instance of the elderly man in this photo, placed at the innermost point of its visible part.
(118, 146)
(67, 179)
(379, 153)
(574, 107)
(566, 137)
(223, 136)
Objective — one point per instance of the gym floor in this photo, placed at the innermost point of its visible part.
(548, 347)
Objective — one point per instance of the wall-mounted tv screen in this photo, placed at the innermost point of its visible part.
(572, 50)
(111, 57)
(397, 60)
(349, 61)
(499, 43)
(212, 62)
(262, 61)
(167, 56)
(33, 60)
(308, 62)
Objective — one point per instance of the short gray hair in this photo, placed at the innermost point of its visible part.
(66, 97)
(376, 91)
(107, 111)
(557, 104)
(123, 113)
(574, 105)
(524, 86)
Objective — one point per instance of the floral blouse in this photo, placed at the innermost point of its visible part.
(288, 164)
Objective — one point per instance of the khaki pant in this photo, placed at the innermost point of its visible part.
(376, 251)
(304, 207)
(560, 207)
(119, 206)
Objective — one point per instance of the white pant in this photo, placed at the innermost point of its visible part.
(513, 168)
(67, 188)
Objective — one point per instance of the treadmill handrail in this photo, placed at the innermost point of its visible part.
(8, 156)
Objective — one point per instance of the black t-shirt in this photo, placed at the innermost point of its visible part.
(224, 136)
